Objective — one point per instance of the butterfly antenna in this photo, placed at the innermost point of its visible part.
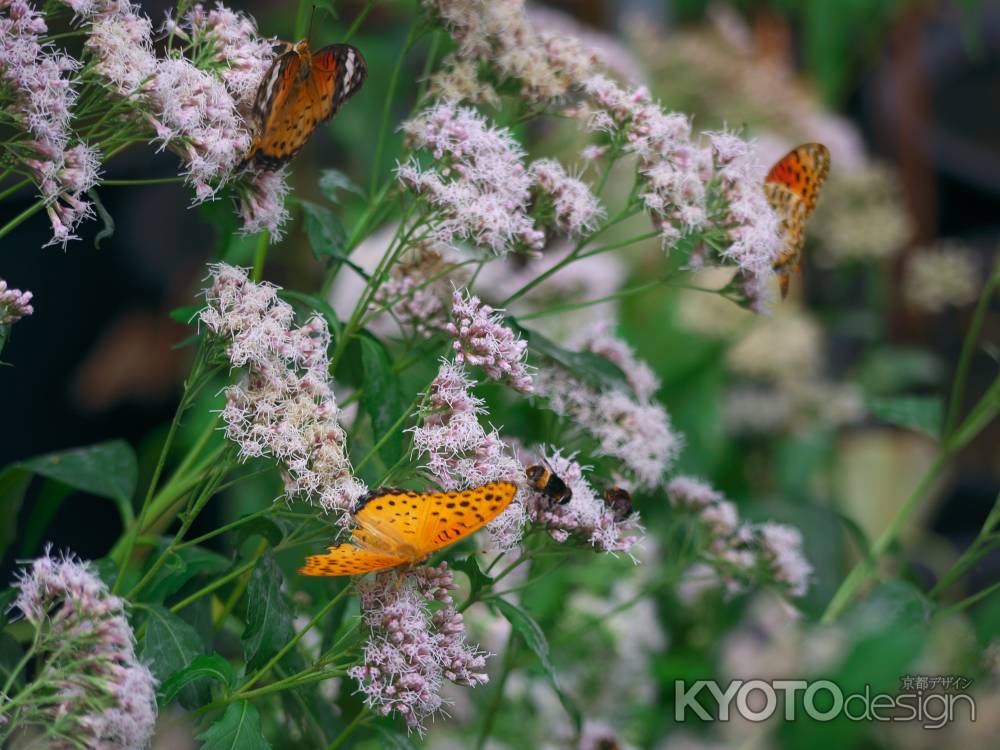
(309, 31)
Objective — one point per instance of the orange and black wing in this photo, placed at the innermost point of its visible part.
(294, 99)
(349, 560)
(792, 188)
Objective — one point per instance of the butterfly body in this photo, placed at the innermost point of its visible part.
(301, 90)
(401, 527)
(792, 187)
(619, 502)
(548, 483)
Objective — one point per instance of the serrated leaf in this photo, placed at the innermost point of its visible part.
(478, 580)
(920, 413)
(269, 620)
(106, 469)
(324, 230)
(206, 667)
(597, 370)
(170, 645)
(237, 729)
(381, 398)
(533, 635)
(181, 566)
(333, 181)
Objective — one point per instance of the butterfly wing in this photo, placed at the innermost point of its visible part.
(349, 560)
(392, 519)
(455, 515)
(294, 99)
(792, 188)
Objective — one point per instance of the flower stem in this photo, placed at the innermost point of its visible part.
(341, 738)
(358, 20)
(26, 214)
(260, 256)
(390, 95)
(494, 708)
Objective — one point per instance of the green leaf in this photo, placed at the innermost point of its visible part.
(106, 469)
(186, 314)
(13, 484)
(599, 371)
(477, 578)
(524, 624)
(890, 370)
(314, 303)
(261, 526)
(919, 413)
(393, 740)
(43, 510)
(381, 397)
(269, 620)
(324, 230)
(206, 667)
(181, 566)
(170, 645)
(333, 181)
(237, 729)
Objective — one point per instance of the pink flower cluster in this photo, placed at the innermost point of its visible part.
(419, 287)
(575, 209)
(40, 79)
(97, 692)
(739, 554)
(284, 406)
(482, 340)
(201, 114)
(545, 66)
(585, 516)
(714, 191)
(410, 652)
(460, 452)
(627, 423)
(477, 186)
(14, 304)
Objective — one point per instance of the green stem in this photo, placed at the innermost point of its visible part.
(501, 682)
(557, 309)
(26, 214)
(15, 187)
(216, 584)
(298, 636)
(260, 256)
(390, 95)
(388, 434)
(969, 601)
(239, 589)
(355, 723)
(968, 347)
(358, 20)
(134, 532)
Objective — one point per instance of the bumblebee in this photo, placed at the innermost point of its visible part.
(619, 501)
(548, 483)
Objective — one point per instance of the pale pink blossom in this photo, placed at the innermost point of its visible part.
(575, 209)
(586, 516)
(460, 453)
(782, 547)
(260, 200)
(482, 340)
(419, 289)
(14, 304)
(284, 405)
(693, 494)
(96, 691)
(597, 338)
(477, 186)
(410, 652)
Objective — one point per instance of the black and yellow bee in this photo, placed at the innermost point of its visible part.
(549, 483)
(619, 501)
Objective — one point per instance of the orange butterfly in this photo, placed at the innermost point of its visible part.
(399, 527)
(301, 90)
(792, 187)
